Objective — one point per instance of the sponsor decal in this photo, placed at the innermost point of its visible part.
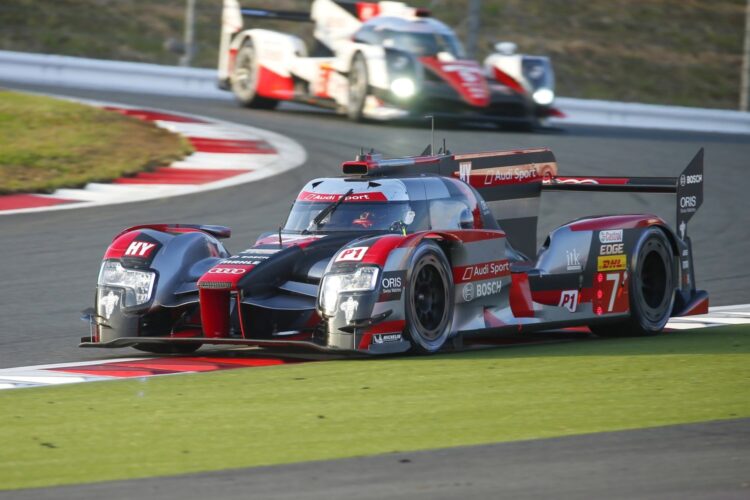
(353, 254)
(486, 288)
(577, 181)
(486, 270)
(464, 171)
(690, 179)
(468, 292)
(510, 175)
(109, 302)
(385, 338)
(611, 236)
(569, 300)
(241, 262)
(328, 198)
(611, 249)
(391, 285)
(612, 263)
(686, 264)
(227, 270)
(473, 291)
(349, 307)
(572, 258)
(688, 202)
(139, 249)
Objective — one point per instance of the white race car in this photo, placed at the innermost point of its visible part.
(380, 61)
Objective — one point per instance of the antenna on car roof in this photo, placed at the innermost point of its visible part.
(432, 134)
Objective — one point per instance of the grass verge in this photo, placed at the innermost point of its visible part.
(49, 144)
(172, 425)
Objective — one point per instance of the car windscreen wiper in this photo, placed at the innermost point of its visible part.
(330, 208)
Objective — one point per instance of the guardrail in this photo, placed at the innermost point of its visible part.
(66, 71)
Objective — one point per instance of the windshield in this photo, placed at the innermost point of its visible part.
(423, 44)
(396, 216)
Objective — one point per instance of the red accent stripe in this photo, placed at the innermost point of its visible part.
(616, 222)
(206, 145)
(170, 175)
(507, 80)
(16, 201)
(163, 366)
(148, 115)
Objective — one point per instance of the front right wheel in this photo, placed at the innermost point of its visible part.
(429, 299)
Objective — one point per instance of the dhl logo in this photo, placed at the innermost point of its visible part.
(612, 263)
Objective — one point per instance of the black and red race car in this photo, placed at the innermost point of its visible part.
(406, 254)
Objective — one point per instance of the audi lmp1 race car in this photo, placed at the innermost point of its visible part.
(406, 254)
(381, 61)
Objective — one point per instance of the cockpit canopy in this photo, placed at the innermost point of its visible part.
(403, 205)
(421, 36)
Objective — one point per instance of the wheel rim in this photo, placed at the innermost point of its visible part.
(357, 85)
(654, 281)
(429, 303)
(244, 76)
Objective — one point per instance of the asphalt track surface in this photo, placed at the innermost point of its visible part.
(696, 461)
(49, 264)
(49, 261)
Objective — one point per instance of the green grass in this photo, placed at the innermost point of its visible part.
(661, 51)
(171, 425)
(49, 143)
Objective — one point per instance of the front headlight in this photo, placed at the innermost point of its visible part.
(544, 97)
(362, 280)
(138, 285)
(403, 87)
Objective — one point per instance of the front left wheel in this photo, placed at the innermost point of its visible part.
(245, 79)
(429, 299)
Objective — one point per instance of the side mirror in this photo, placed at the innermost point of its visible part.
(506, 48)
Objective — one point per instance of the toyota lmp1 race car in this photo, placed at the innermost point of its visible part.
(380, 61)
(406, 254)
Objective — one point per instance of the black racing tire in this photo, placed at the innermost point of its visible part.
(182, 348)
(359, 88)
(652, 288)
(428, 301)
(244, 80)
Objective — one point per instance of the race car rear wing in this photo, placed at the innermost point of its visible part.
(688, 187)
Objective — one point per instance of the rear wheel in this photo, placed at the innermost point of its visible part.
(429, 299)
(359, 87)
(183, 348)
(245, 79)
(652, 286)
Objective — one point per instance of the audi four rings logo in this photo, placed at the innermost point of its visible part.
(227, 270)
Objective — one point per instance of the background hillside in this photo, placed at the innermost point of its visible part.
(685, 52)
